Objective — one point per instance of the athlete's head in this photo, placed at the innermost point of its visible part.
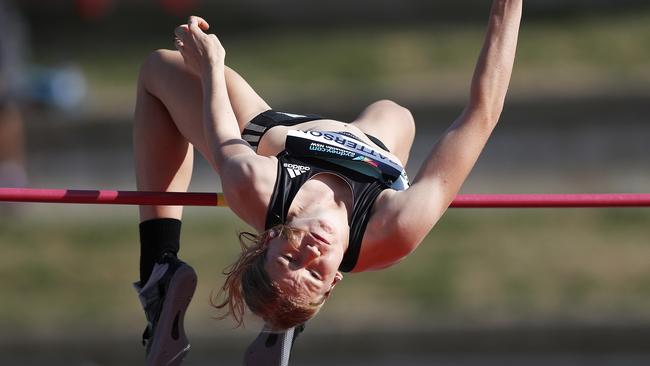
(285, 274)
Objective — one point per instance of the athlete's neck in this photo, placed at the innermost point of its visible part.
(323, 192)
(327, 197)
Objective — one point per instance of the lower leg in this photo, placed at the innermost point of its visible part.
(163, 162)
(163, 157)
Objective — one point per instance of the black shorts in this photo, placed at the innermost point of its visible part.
(258, 126)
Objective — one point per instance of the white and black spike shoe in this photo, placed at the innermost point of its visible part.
(272, 348)
(165, 298)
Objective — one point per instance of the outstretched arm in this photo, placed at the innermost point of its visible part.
(412, 213)
(455, 154)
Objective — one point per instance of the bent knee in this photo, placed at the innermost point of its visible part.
(386, 105)
(158, 63)
(398, 113)
(162, 58)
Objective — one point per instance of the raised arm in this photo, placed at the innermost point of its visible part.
(455, 154)
(412, 213)
(243, 173)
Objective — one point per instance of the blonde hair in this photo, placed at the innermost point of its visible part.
(248, 284)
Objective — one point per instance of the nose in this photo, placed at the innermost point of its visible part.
(310, 253)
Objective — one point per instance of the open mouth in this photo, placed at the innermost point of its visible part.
(320, 238)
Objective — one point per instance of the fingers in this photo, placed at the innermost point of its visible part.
(180, 36)
(181, 31)
(178, 44)
(199, 22)
(195, 27)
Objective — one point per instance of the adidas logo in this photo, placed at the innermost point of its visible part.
(295, 170)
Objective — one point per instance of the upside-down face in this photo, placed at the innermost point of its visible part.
(303, 258)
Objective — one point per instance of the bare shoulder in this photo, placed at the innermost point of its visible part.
(254, 177)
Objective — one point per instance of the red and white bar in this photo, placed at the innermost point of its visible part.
(108, 197)
(217, 199)
(551, 200)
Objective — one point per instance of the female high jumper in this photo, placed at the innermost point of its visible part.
(323, 196)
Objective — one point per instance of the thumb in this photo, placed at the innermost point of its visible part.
(198, 23)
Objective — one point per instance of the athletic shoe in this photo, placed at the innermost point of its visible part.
(165, 297)
(272, 348)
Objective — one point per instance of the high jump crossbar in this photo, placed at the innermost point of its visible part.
(111, 197)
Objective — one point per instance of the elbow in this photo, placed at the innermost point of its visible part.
(409, 236)
(485, 112)
(486, 104)
(405, 245)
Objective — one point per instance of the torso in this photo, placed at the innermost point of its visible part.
(273, 142)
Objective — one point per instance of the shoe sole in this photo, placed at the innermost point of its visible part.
(169, 344)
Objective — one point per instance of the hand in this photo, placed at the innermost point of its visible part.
(200, 51)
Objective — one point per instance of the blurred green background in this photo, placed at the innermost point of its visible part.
(530, 281)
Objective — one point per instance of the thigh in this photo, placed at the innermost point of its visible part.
(392, 124)
(165, 76)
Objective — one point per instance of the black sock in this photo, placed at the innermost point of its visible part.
(157, 237)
